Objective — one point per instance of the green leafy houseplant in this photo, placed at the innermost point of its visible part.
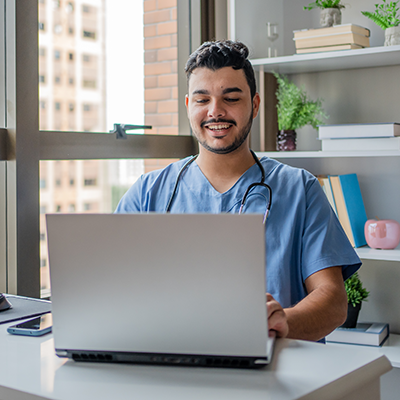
(295, 109)
(356, 293)
(324, 4)
(385, 15)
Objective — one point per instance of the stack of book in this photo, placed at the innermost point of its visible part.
(360, 137)
(337, 37)
(367, 334)
(344, 195)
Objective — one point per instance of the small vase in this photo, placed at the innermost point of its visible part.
(330, 17)
(352, 316)
(286, 140)
(392, 36)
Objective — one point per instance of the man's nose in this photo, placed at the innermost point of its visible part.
(216, 109)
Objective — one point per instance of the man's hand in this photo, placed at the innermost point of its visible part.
(277, 320)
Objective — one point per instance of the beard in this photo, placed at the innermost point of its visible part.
(238, 141)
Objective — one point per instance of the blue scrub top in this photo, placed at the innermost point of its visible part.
(303, 234)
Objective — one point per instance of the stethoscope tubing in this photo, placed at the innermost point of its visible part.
(244, 198)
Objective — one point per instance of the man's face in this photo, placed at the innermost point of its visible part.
(220, 108)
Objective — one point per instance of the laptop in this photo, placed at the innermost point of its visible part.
(177, 289)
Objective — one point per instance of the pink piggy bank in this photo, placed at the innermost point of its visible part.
(382, 234)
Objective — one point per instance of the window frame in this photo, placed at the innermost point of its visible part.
(23, 146)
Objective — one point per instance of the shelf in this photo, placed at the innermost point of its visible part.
(329, 61)
(367, 253)
(328, 154)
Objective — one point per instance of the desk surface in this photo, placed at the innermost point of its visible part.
(29, 369)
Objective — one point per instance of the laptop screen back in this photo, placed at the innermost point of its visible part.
(158, 283)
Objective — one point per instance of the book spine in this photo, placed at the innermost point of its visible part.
(358, 131)
(322, 41)
(355, 207)
(361, 144)
(341, 207)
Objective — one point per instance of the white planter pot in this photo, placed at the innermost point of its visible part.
(330, 17)
(392, 36)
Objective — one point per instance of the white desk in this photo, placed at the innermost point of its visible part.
(300, 370)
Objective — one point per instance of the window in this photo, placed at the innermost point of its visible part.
(86, 58)
(69, 8)
(71, 208)
(71, 107)
(87, 206)
(57, 55)
(70, 56)
(27, 245)
(89, 34)
(90, 182)
(71, 182)
(58, 29)
(58, 182)
(42, 237)
(42, 104)
(57, 80)
(42, 79)
(43, 209)
(43, 262)
(42, 183)
(89, 84)
(42, 52)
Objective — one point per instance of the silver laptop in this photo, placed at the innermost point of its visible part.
(184, 289)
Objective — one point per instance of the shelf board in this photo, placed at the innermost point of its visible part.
(366, 253)
(328, 154)
(333, 60)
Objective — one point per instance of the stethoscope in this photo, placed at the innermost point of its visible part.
(244, 198)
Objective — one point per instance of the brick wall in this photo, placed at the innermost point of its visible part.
(160, 70)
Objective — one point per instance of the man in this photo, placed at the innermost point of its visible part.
(308, 254)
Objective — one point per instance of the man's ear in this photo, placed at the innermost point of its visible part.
(256, 104)
(187, 104)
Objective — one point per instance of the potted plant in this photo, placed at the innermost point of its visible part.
(356, 294)
(386, 16)
(330, 11)
(295, 110)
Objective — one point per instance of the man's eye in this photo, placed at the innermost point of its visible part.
(200, 101)
(232, 100)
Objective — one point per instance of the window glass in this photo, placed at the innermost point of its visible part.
(91, 55)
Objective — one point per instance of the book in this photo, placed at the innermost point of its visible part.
(326, 187)
(343, 28)
(350, 207)
(331, 40)
(361, 144)
(329, 48)
(367, 334)
(342, 131)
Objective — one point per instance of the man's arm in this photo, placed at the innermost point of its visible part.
(320, 312)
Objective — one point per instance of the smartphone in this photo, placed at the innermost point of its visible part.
(34, 327)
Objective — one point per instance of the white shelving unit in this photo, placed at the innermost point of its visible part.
(330, 61)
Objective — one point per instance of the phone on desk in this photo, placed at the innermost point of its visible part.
(37, 326)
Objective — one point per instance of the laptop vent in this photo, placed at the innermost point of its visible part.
(226, 362)
(92, 357)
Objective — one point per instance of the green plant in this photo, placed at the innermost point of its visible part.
(385, 15)
(294, 108)
(356, 293)
(324, 4)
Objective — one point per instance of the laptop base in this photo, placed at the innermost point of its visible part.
(165, 359)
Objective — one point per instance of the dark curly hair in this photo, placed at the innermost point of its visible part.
(219, 54)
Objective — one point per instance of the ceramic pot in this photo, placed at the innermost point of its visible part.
(392, 36)
(330, 17)
(382, 234)
(286, 140)
(352, 316)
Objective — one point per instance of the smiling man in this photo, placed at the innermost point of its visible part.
(308, 254)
